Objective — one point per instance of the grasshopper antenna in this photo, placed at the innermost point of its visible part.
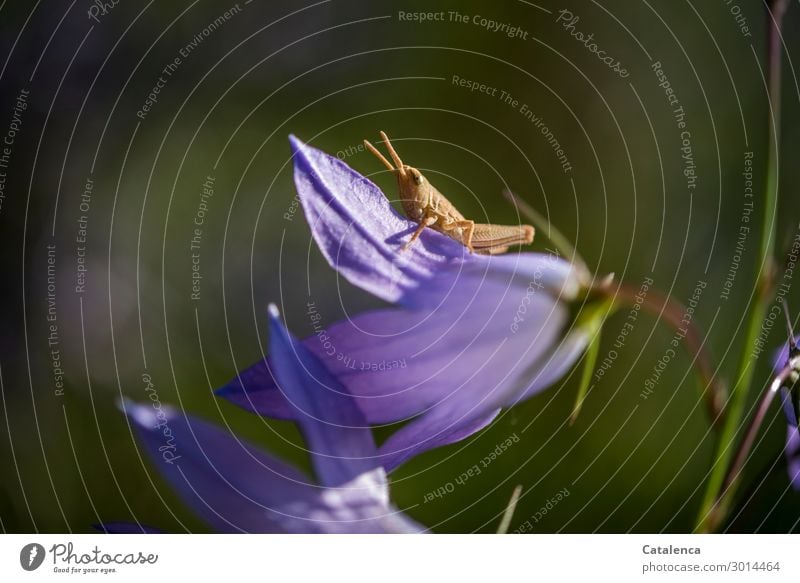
(380, 156)
(789, 326)
(398, 162)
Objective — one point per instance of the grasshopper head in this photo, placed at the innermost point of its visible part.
(410, 180)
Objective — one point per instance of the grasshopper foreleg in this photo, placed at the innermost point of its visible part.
(426, 221)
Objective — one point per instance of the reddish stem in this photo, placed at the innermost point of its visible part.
(673, 312)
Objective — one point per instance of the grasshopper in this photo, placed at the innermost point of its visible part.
(428, 207)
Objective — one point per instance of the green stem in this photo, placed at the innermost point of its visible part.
(712, 514)
(731, 483)
(505, 522)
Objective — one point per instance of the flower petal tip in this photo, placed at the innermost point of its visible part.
(225, 391)
(277, 329)
(126, 406)
(274, 312)
(144, 416)
(299, 147)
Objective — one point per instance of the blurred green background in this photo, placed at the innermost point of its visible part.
(333, 73)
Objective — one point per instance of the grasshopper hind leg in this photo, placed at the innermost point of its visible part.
(468, 229)
(494, 239)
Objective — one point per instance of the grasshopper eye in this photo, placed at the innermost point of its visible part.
(418, 179)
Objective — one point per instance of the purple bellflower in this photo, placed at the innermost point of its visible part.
(237, 487)
(787, 366)
(471, 333)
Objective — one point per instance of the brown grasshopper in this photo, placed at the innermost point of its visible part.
(427, 206)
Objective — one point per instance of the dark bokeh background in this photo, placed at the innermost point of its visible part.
(333, 73)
